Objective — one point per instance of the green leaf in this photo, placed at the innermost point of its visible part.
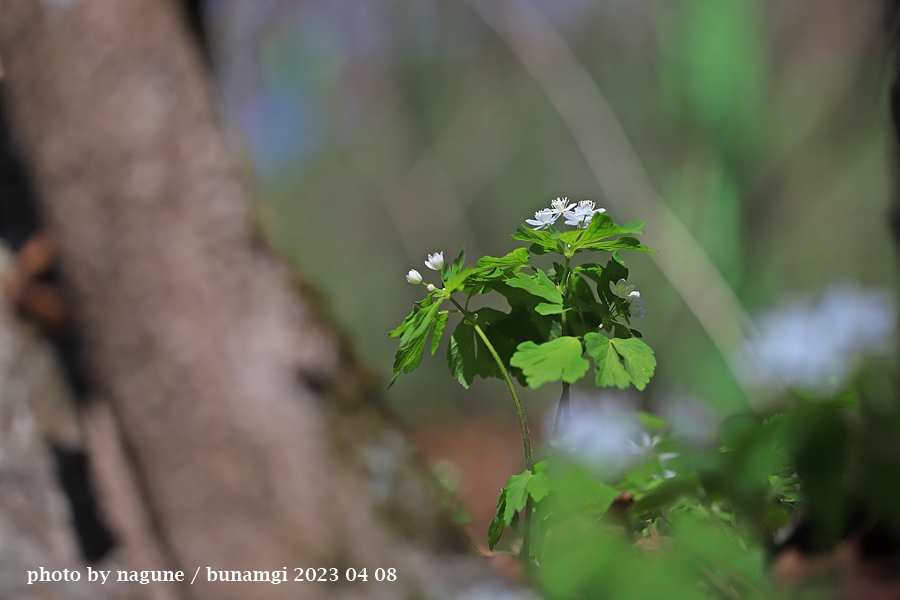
(456, 281)
(420, 323)
(461, 354)
(549, 309)
(652, 423)
(539, 285)
(519, 487)
(495, 529)
(551, 361)
(439, 323)
(458, 262)
(408, 358)
(517, 258)
(407, 322)
(638, 356)
(609, 371)
(623, 243)
(449, 270)
(639, 360)
(541, 241)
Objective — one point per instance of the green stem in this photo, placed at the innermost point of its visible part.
(526, 535)
(523, 425)
(562, 410)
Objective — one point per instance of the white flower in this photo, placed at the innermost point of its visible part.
(636, 304)
(561, 205)
(621, 289)
(582, 215)
(414, 276)
(543, 219)
(663, 458)
(646, 445)
(435, 261)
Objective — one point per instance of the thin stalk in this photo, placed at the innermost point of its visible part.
(526, 536)
(523, 425)
(562, 410)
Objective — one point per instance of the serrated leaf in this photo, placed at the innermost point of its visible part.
(421, 323)
(551, 361)
(541, 240)
(439, 323)
(638, 356)
(602, 228)
(408, 358)
(539, 487)
(458, 279)
(498, 523)
(458, 262)
(518, 257)
(519, 487)
(407, 322)
(461, 354)
(623, 243)
(539, 285)
(639, 360)
(609, 370)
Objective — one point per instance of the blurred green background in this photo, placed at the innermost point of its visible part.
(382, 131)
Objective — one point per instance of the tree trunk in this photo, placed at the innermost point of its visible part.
(252, 438)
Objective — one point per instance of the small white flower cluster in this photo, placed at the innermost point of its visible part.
(627, 292)
(580, 217)
(647, 447)
(435, 262)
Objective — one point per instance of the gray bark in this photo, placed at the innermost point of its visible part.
(250, 437)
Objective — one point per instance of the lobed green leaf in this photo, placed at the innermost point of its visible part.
(538, 285)
(556, 360)
(517, 258)
(608, 354)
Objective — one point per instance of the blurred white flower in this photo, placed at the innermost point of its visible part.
(646, 445)
(621, 288)
(636, 305)
(414, 276)
(663, 458)
(597, 432)
(816, 345)
(582, 215)
(435, 261)
(543, 219)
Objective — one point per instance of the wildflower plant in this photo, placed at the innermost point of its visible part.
(558, 318)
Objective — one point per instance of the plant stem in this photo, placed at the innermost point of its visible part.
(562, 411)
(526, 535)
(523, 425)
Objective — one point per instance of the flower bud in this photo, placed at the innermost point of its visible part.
(435, 261)
(414, 276)
(430, 287)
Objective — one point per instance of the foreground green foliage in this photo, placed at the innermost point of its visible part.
(679, 522)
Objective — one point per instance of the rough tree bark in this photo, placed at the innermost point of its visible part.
(251, 437)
